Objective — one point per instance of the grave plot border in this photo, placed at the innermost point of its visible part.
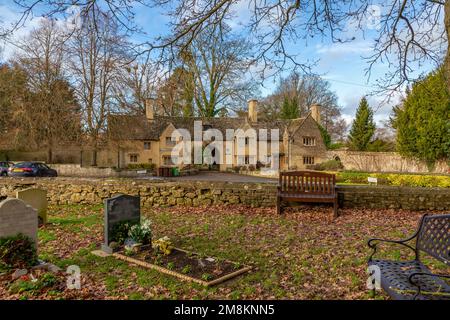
(211, 283)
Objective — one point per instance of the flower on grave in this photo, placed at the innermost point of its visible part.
(163, 245)
(141, 233)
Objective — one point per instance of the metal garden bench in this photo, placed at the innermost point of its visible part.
(307, 186)
(410, 280)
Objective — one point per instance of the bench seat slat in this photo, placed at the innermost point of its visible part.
(394, 280)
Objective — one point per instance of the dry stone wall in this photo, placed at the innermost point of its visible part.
(160, 194)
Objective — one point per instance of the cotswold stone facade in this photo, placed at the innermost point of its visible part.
(147, 139)
(162, 194)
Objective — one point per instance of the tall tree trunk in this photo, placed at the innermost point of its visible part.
(447, 29)
(49, 153)
(94, 153)
(94, 157)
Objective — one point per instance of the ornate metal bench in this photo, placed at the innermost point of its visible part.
(410, 280)
(307, 186)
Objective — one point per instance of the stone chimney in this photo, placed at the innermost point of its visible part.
(315, 112)
(149, 112)
(253, 110)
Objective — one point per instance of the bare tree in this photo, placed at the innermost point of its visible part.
(219, 65)
(409, 32)
(135, 82)
(174, 95)
(96, 51)
(51, 114)
(305, 91)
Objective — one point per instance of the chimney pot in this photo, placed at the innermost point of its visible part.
(253, 110)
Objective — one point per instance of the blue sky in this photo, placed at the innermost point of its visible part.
(341, 64)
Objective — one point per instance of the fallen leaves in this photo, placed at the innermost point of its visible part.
(302, 254)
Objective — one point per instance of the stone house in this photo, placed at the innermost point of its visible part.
(135, 139)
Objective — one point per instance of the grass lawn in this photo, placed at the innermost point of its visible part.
(303, 254)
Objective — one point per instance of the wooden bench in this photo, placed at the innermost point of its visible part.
(307, 186)
(411, 280)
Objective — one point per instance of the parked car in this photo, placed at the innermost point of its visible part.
(4, 167)
(31, 169)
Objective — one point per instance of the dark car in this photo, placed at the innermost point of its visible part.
(31, 169)
(4, 167)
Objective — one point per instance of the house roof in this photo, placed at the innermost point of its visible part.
(138, 127)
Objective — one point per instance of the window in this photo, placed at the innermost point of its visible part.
(147, 145)
(247, 140)
(150, 161)
(133, 158)
(308, 160)
(169, 141)
(309, 141)
(247, 160)
(167, 160)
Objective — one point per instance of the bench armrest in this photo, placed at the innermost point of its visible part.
(426, 274)
(372, 243)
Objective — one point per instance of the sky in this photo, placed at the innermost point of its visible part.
(343, 65)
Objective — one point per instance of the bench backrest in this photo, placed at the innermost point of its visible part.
(307, 182)
(434, 237)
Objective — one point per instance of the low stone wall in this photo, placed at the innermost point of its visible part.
(389, 197)
(94, 191)
(75, 170)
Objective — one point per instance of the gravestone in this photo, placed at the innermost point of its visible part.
(37, 199)
(119, 209)
(18, 217)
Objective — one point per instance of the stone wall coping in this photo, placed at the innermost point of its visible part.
(131, 182)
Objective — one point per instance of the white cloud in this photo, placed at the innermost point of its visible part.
(8, 18)
(340, 49)
(241, 14)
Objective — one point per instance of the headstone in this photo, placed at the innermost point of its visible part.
(18, 217)
(372, 180)
(119, 209)
(36, 198)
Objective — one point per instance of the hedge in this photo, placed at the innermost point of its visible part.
(395, 179)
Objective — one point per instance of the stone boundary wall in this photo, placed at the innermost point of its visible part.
(158, 194)
(391, 197)
(75, 170)
(383, 162)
